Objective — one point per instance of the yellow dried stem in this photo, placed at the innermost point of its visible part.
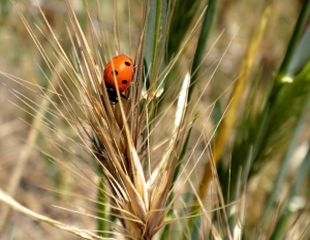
(9, 201)
(30, 143)
(234, 100)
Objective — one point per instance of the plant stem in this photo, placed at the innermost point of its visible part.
(202, 43)
(284, 166)
(302, 19)
(278, 84)
(235, 98)
(301, 175)
(102, 226)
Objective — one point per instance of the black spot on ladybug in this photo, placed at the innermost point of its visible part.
(115, 72)
(127, 63)
(124, 81)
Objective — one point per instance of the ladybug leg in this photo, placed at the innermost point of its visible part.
(113, 98)
(124, 96)
(112, 95)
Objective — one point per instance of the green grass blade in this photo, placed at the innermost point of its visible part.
(289, 102)
(284, 101)
(154, 49)
(150, 41)
(278, 182)
(288, 58)
(155, 38)
(102, 200)
(202, 42)
(301, 55)
(259, 129)
(102, 214)
(184, 12)
(301, 21)
(300, 177)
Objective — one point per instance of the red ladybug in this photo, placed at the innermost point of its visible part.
(121, 69)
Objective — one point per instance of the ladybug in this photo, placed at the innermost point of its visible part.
(121, 69)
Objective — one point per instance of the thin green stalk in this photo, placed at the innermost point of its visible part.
(278, 182)
(284, 68)
(154, 50)
(156, 40)
(302, 19)
(302, 174)
(183, 15)
(102, 198)
(202, 43)
(278, 84)
(102, 225)
(150, 36)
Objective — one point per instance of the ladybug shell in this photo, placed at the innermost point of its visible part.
(122, 69)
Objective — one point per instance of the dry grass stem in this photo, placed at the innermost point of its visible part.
(10, 202)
